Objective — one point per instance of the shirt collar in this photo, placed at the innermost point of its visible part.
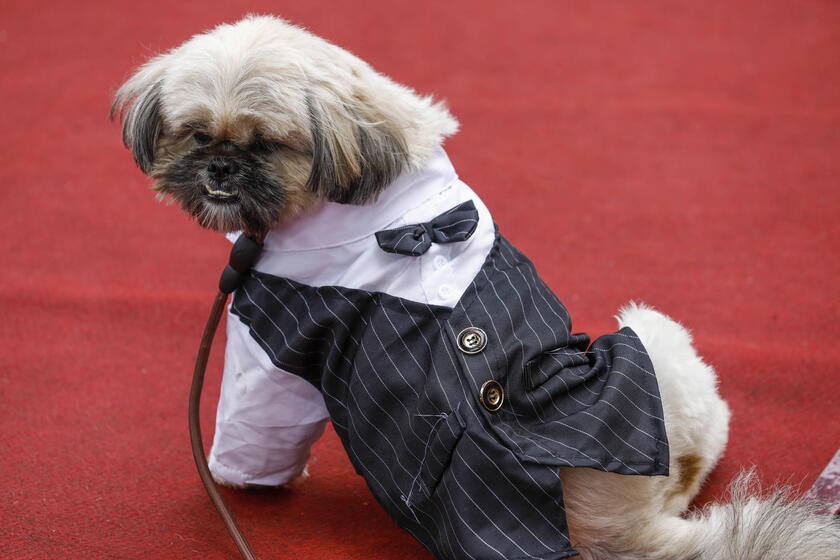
(329, 224)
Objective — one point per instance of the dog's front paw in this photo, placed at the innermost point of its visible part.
(297, 480)
(291, 483)
(226, 483)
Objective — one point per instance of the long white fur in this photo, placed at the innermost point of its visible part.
(629, 517)
(263, 67)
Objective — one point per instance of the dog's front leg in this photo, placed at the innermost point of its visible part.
(267, 419)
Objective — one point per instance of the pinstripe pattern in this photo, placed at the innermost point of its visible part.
(467, 482)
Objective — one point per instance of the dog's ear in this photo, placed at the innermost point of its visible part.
(138, 106)
(355, 153)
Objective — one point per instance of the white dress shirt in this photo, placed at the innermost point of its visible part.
(267, 418)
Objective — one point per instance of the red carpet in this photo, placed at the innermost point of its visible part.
(711, 131)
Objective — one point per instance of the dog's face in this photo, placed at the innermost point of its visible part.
(249, 124)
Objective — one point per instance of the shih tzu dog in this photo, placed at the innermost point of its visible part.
(386, 301)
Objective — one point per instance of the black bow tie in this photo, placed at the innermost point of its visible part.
(456, 224)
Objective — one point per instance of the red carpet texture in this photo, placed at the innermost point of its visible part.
(683, 154)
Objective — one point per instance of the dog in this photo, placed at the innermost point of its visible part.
(487, 429)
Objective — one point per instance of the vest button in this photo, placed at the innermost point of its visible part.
(472, 340)
(439, 262)
(446, 291)
(492, 395)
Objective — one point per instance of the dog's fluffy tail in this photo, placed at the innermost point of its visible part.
(754, 525)
(757, 525)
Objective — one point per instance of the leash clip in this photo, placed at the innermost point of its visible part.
(243, 256)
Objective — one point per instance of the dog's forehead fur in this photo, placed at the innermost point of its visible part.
(248, 77)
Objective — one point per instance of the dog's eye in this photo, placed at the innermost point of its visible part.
(202, 138)
(265, 146)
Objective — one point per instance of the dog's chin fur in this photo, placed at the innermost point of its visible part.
(303, 120)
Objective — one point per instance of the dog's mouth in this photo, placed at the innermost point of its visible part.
(250, 199)
(221, 195)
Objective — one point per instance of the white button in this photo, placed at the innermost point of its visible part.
(439, 262)
(446, 291)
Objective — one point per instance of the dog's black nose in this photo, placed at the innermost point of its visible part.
(221, 168)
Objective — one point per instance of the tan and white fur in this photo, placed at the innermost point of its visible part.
(310, 120)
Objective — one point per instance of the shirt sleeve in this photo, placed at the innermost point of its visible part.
(267, 418)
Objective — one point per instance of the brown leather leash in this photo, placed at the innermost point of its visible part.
(243, 256)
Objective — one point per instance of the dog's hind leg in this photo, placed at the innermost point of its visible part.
(696, 417)
(629, 513)
(620, 517)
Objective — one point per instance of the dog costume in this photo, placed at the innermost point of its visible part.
(447, 367)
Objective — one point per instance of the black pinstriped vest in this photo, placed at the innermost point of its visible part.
(406, 399)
